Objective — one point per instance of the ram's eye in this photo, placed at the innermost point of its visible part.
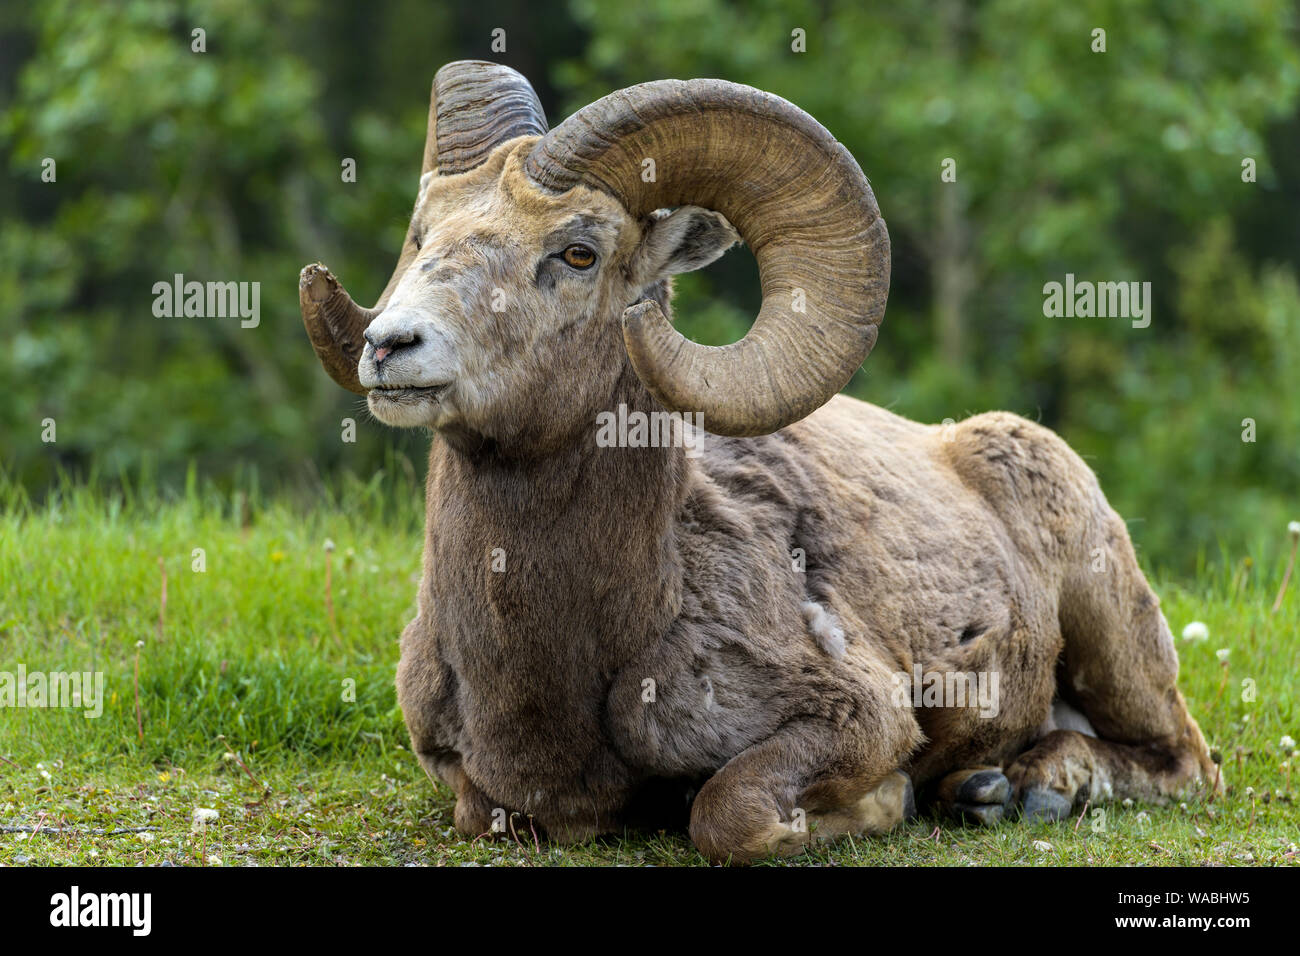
(578, 256)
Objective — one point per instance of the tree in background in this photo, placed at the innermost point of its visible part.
(220, 165)
(1115, 165)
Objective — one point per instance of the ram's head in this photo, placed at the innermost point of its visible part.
(535, 262)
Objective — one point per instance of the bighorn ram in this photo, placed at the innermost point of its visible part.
(609, 630)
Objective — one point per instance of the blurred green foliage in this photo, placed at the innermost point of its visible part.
(1123, 165)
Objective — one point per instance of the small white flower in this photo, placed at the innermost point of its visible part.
(1287, 742)
(1128, 802)
(139, 643)
(1042, 846)
(1222, 655)
(45, 775)
(1294, 529)
(1250, 791)
(145, 837)
(203, 816)
(1143, 817)
(329, 544)
(214, 860)
(1196, 631)
(94, 853)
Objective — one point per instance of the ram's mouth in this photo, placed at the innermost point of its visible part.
(398, 393)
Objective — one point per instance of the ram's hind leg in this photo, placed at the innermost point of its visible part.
(1067, 767)
(1120, 669)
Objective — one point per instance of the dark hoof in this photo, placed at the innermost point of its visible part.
(984, 787)
(981, 814)
(1040, 804)
(982, 798)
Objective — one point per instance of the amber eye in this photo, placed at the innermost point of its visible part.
(580, 257)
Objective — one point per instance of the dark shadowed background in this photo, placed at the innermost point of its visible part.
(225, 165)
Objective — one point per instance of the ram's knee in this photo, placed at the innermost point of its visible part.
(738, 823)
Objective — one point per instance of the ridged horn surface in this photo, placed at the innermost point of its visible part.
(796, 196)
(477, 106)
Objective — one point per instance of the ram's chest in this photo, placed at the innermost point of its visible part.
(548, 757)
(685, 715)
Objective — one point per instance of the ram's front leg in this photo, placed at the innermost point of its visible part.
(425, 692)
(810, 781)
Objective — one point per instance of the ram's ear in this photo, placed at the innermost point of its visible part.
(684, 240)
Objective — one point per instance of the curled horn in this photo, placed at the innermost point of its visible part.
(796, 196)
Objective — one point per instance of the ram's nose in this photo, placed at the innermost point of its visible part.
(385, 344)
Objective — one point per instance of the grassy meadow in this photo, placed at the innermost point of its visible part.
(268, 698)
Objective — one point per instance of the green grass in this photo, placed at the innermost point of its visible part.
(247, 663)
